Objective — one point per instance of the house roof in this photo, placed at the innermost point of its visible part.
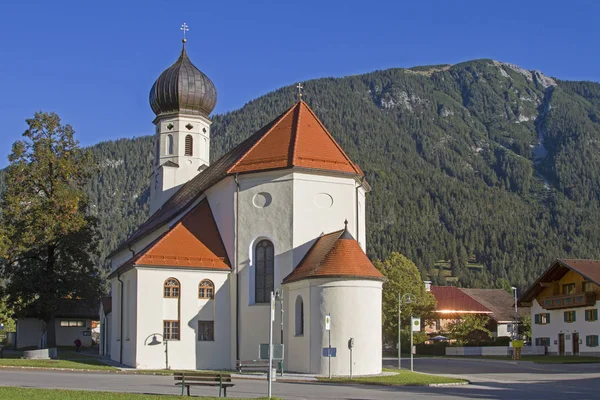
(451, 299)
(498, 301)
(296, 138)
(335, 255)
(106, 305)
(589, 269)
(193, 242)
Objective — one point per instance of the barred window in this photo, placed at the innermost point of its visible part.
(171, 330)
(206, 289)
(171, 288)
(72, 323)
(206, 331)
(189, 145)
(264, 258)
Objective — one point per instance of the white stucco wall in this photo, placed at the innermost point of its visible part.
(128, 329)
(265, 212)
(187, 352)
(355, 308)
(321, 205)
(557, 325)
(30, 330)
(65, 336)
(298, 351)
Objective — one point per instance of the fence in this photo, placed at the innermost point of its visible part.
(502, 351)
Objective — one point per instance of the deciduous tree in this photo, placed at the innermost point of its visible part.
(470, 327)
(50, 240)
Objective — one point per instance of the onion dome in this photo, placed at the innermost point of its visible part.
(183, 89)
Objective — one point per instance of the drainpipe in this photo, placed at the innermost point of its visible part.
(362, 182)
(235, 262)
(121, 320)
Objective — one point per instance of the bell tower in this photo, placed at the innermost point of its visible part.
(182, 99)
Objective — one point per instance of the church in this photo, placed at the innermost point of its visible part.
(283, 211)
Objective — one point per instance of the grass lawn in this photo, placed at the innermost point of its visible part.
(55, 394)
(82, 363)
(402, 378)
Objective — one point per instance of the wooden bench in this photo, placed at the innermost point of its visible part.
(253, 365)
(187, 379)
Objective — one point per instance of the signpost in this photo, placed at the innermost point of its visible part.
(328, 329)
(350, 347)
(272, 318)
(415, 327)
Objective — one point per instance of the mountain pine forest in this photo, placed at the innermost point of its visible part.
(481, 171)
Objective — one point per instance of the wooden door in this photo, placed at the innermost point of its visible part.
(575, 337)
(561, 344)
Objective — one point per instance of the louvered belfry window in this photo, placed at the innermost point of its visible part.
(264, 256)
(189, 145)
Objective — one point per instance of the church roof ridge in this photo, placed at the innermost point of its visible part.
(324, 156)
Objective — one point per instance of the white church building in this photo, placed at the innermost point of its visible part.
(283, 210)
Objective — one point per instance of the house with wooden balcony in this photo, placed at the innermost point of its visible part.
(564, 308)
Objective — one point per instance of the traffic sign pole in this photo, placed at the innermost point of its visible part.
(271, 318)
(411, 344)
(328, 328)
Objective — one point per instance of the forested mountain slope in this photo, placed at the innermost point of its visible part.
(480, 160)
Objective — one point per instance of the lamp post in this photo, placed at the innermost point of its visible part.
(407, 298)
(154, 342)
(515, 335)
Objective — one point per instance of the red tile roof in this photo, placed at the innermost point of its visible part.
(335, 255)
(192, 242)
(296, 138)
(589, 269)
(452, 299)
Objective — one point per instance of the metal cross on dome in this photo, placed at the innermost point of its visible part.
(300, 87)
(184, 28)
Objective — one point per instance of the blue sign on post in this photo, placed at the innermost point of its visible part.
(326, 351)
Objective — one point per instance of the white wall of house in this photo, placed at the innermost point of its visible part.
(122, 340)
(298, 355)
(187, 352)
(30, 331)
(557, 325)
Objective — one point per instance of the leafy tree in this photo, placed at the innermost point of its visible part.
(525, 327)
(470, 327)
(50, 238)
(6, 318)
(403, 277)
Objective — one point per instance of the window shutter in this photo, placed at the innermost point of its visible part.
(548, 318)
(574, 315)
(565, 316)
(595, 314)
(537, 318)
(587, 341)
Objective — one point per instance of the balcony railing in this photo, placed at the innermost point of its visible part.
(569, 300)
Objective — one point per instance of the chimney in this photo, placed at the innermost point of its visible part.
(427, 285)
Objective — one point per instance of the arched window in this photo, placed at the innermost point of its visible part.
(299, 316)
(206, 289)
(171, 288)
(189, 145)
(169, 144)
(264, 258)
(157, 154)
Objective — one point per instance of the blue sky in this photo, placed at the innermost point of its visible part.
(94, 62)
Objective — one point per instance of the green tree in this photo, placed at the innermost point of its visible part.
(50, 239)
(6, 317)
(470, 327)
(403, 277)
(525, 327)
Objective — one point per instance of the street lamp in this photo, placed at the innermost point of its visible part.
(516, 314)
(155, 342)
(407, 298)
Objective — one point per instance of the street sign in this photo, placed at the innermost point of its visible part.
(351, 343)
(329, 351)
(328, 322)
(272, 307)
(416, 324)
(278, 351)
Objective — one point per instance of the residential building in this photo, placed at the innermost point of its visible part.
(564, 307)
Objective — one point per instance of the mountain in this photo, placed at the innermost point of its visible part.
(481, 163)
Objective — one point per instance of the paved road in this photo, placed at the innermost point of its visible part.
(492, 380)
